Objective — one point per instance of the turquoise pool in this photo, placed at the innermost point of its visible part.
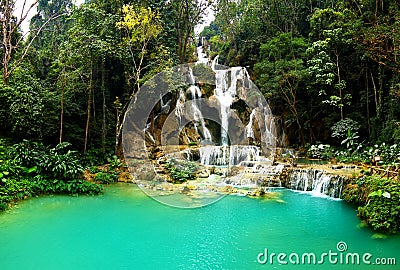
(125, 229)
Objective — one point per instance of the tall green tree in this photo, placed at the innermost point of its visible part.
(282, 74)
(333, 33)
(186, 15)
(141, 27)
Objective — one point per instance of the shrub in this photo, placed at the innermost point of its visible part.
(378, 198)
(341, 128)
(30, 168)
(181, 171)
(115, 163)
(56, 162)
(42, 185)
(106, 178)
(322, 151)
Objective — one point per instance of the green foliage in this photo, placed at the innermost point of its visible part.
(43, 185)
(30, 105)
(30, 168)
(340, 129)
(56, 162)
(181, 171)
(281, 75)
(94, 170)
(192, 144)
(115, 163)
(381, 210)
(322, 151)
(351, 141)
(106, 177)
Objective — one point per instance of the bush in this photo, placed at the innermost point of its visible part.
(181, 171)
(42, 185)
(28, 169)
(378, 198)
(56, 162)
(106, 178)
(341, 128)
(322, 151)
(115, 163)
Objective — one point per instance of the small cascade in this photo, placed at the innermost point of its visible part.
(239, 153)
(229, 155)
(249, 127)
(180, 105)
(195, 110)
(214, 155)
(317, 182)
(225, 92)
(270, 128)
(214, 62)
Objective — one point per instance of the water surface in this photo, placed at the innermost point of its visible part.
(125, 229)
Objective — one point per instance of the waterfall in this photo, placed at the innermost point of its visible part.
(201, 56)
(195, 110)
(214, 62)
(214, 155)
(229, 155)
(249, 127)
(231, 85)
(225, 92)
(180, 105)
(270, 130)
(240, 153)
(227, 83)
(317, 182)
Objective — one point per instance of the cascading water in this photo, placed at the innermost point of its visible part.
(240, 153)
(201, 56)
(225, 92)
(318, 182)
(229, 155)
(195, 95)
(231, 85)
(249, 127)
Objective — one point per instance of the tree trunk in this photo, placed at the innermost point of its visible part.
(62, 106)
(368, 113)
(375, 94)
(103, 90)
(89, 105)
(340, 87)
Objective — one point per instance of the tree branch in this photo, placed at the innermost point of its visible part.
(19, 61)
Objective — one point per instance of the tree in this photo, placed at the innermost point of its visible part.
(281, 73)
(380, 35)
(14, 48)
(31, 108)
(89, 42)
(187, 14)
(333, 32)
(140, 26)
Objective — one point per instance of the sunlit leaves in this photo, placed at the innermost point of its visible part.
(141, 23)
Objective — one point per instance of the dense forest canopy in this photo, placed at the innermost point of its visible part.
(325, 66)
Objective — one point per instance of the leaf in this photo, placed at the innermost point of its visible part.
(31, 170)
(375, 193)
